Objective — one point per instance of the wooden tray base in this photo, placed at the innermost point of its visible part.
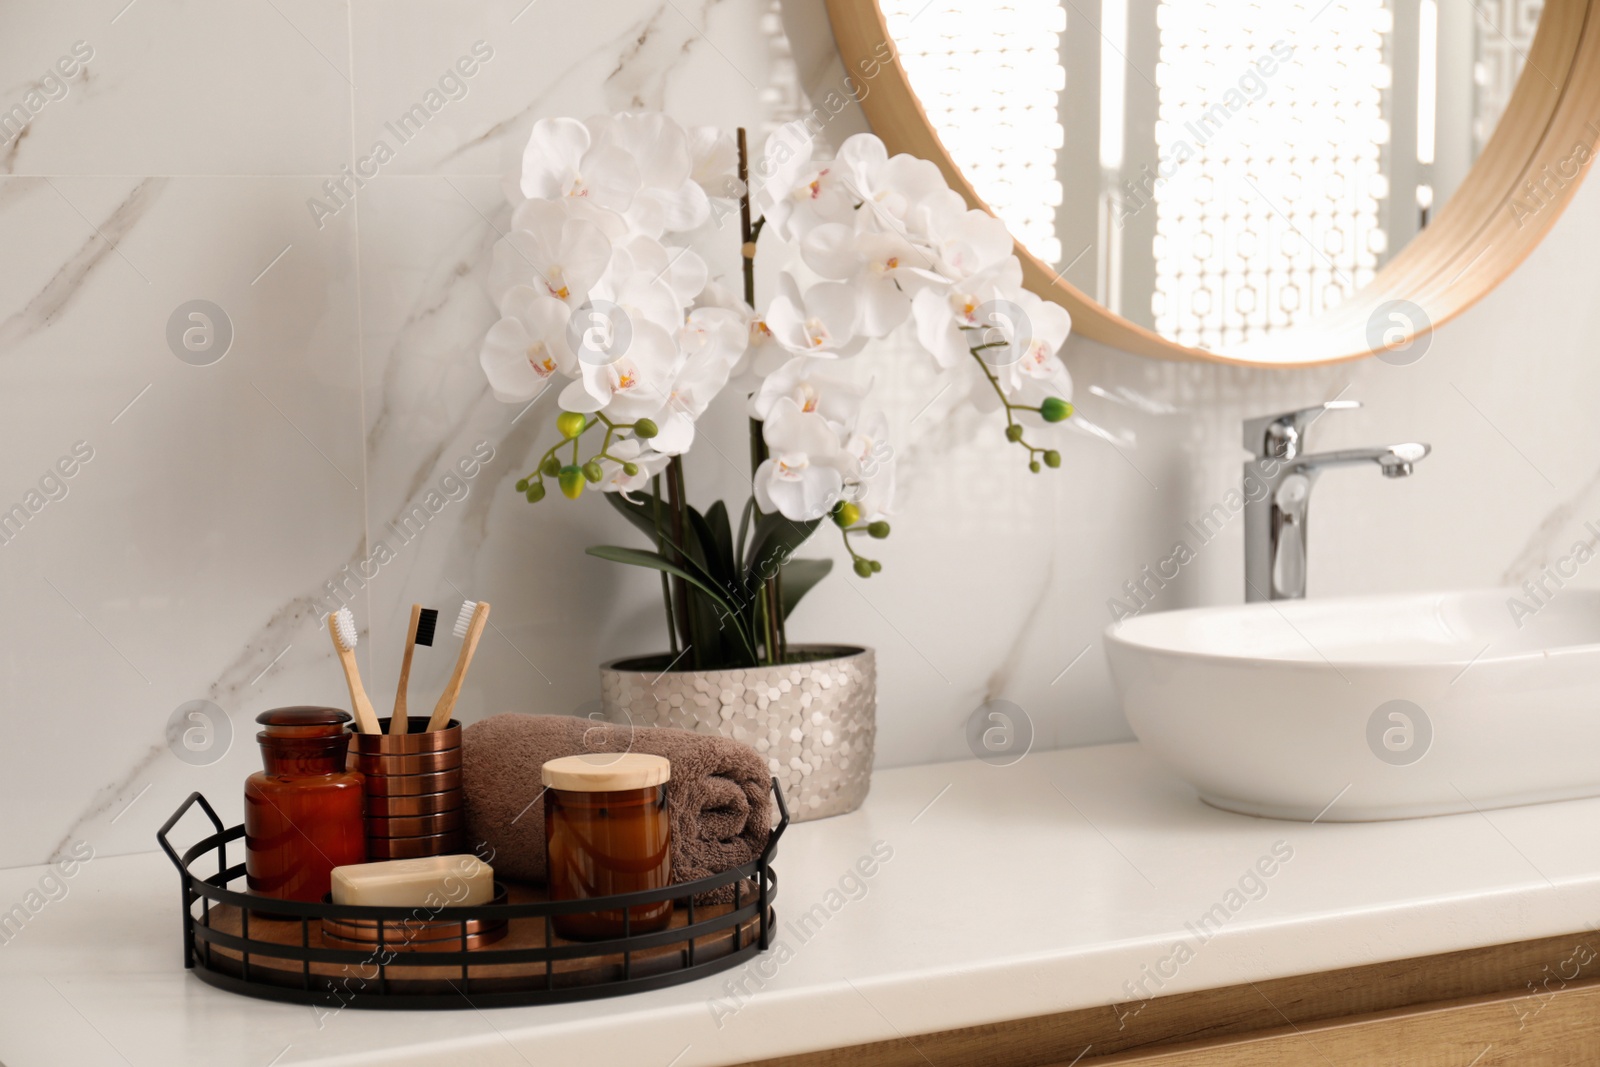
(435, 978)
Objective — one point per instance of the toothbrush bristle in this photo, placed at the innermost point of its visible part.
(427, 622)
(464, 620)
(346, 628)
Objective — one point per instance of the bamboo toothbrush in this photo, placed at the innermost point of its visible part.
(469, 626)
(420, 632)
(342, 628)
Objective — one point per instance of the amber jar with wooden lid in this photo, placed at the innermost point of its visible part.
(303, 811)
(607, 831)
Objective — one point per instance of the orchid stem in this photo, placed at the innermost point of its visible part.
(680, 588)
(666, 586)
(771, 598)
(1011, 409)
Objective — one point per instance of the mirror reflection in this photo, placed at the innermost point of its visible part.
(1214, 171)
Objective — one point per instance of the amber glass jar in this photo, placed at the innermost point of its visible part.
(303, 812)
(607, 831)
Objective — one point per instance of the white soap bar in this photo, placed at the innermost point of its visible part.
(433, 882)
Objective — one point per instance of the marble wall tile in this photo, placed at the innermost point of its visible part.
(706, 62)
(177, 87)
(179, 563)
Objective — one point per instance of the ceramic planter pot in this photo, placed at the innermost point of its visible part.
(813, 720)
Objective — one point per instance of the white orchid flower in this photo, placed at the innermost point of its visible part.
(762, 355)
(527, 346)
(947, 319)
(814, 385)
(711, 342)
(533, 214)
(883, 268)
(967, 242)
(1033, 346)
(681, 268)
(1004, 331)
(640, 290)
(926, 213)
(615, 479)
(893, 189)
(562, 160)
(552, 250)
(791, 192)
(668, 197)
(628, 376)
(868, 444)
(716, 162)
(862, 158)
(824, 321)
(784, 159)
(902, 194)
(806, 473)
(938, 316)
(913, 190)
(591, 287)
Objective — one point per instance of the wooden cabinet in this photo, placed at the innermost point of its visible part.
(1528, 1003)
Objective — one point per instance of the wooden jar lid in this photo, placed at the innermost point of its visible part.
(606, 772)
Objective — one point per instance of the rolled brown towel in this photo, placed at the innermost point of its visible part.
(719, 795)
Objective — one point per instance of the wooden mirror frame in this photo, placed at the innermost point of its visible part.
(1509, 200)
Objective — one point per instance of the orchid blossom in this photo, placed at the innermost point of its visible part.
(527, 347)
(823, 321)
(805, 476)
(606, 286)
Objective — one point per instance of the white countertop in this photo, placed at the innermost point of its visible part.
(1011, 892)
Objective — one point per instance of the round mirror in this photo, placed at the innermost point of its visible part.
(1285, 182)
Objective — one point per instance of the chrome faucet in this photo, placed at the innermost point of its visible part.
(1276, 502)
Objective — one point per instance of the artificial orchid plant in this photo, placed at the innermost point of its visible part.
(597, 285)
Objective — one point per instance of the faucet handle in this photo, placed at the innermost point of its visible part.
(1280, 436)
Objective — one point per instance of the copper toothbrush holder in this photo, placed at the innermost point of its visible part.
(414, 805)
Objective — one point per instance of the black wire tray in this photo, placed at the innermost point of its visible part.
(502, 954)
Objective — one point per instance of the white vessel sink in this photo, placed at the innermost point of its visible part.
(1362, 708)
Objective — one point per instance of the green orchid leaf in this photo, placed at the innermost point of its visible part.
(799, 575)
(639, 513)
(725, 615)
(706, 555)
(720, 543)
(744, 527)
(709, 554)
(772, 545)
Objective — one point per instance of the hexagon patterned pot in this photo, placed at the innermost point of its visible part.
(814, 720)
